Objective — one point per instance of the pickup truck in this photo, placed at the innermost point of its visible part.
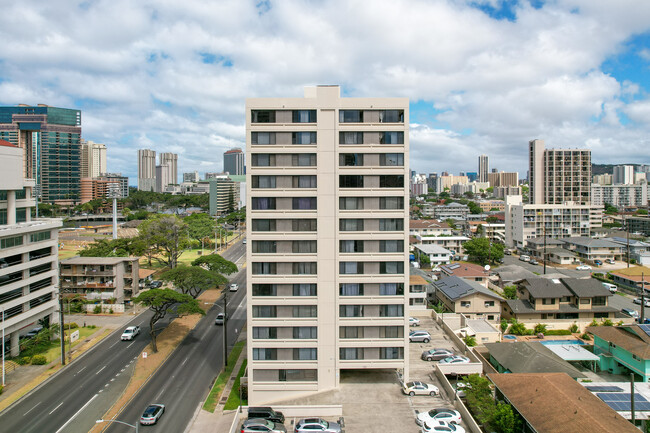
(130, 333)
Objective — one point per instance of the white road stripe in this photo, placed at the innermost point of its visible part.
(185, 360)
(73, 416)
(81, 370)
(32, 408)
(130, 345)
(99, 371)
(159, 394)
(114, 344)
(55, 408)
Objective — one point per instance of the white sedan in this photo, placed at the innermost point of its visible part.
(583, 268)
(414, 321)
(420, 388)
(442, 427)
(438, 414)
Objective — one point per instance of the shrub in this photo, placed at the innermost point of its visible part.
(71, 325)
(539, 328)
(97, 309)
(504, 325)
(110, 311)
(585, 336)
(594, 323)
(517, 328)
(39, 360)
(23, 360)
(607, 322)
(470, 340)
(597, 274)
(573, 328)
(1, 389)
(559, 331)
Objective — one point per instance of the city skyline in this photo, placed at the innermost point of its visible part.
(482, 77)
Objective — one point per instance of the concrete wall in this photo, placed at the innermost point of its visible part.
(458, 403)
(106, 308)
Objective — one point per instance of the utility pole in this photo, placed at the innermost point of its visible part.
(544, 258)
(632, 397)
(641, 319)
(627, 230)
(225, 327)
(61, 328)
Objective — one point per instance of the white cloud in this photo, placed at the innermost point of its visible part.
(135, 69)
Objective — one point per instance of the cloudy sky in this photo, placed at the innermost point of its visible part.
(483, 76)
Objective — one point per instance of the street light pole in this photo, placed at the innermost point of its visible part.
(99, 421)
(225, 327)
(3, 345)
(61, 328)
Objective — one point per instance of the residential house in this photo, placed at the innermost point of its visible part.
(555, 403)
(588, 249)
(101, 278)
(633, 277)
(639, 250)
(452, 243)
(528, 357)
(417, 292)
(468, 271)
(452, 210)
(436, 254)
(470, 298)
(429, 227)
(638, 224)
(512, 274)
(488, 205)
(623, 349)
(536, 246)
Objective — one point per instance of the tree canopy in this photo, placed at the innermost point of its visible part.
(216, 263)
(167, 235)
(200, 225)
(122, 247)
(192, 280)
(479, 250)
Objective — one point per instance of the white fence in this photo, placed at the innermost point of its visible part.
(106, 308)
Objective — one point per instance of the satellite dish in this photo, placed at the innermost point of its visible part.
(487, 267)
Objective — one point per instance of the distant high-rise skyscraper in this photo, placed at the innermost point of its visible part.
(233, 161)
(192, 176)
(146, 170)
(50, 138)
(93, 159)
(557, 176)
(171, 161)
(483, 168)
(623, 174)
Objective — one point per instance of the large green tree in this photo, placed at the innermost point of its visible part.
(480, 250)
(216, 263)
(192, 280)
(167, 236)
(122, 247)
(161, 302)
(200, 225)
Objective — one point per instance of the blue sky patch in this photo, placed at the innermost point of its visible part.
(506, 10)
(210, 59)
(630, 64)
(263, 6)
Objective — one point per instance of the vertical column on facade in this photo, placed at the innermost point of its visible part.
(11, 207)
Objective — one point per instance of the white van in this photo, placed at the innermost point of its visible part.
(524, 258)
(611, 287)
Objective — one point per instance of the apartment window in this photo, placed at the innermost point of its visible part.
(350, 137)
(265, 268)
(599, 301)
(40, 236)
(304, 268)
(303, 247)
(304, 354)
(304, 290)
(303, 160)
(265, 333)
(263, 160)
(350, 225)
(391, 332)
(13, 241)
(350, 203)
(349, 353)
(585, 301)
(392, 137)
(391, 116)
(391, 353)
(303, 203)
(391, 159)
(264, 246)
(488, 304)
(350, 116)
(350, 246)
(297, 375)
(304, 225)
(351, 267)
(263, 203)
(305, 333)
(304, 311)
(391, 246)
(395, 310)
(351, 332)
(265, 354)
(304, 116)
(263, 116)
(264, 311)
(303, 138)
(265, 290)
(263, 181)
(350, 310)
(303, 181)
(350, 181)
(351, 160)
(262, 138)
(391, 202)
(391, 289)
(391, 267)
(391, 224)
(351, 289)
(263, 225)
(465, 304)
(548, 301)
(386, 181)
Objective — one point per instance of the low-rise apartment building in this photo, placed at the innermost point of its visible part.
(429, 227)
(492, 205)
(101, 278)
(435, 254)
(417, 292)
(452, 210)
(638, 224)
(588, 249)
(468, 271)
(503, 191)
(470, 298)
(452, 243)
(623, 349)
(620, 195)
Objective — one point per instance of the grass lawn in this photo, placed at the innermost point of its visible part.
(233, 398)
(54, 352)
(215, 393)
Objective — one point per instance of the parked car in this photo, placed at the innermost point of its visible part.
(598, 262)
(130, 333)
(507, 252)
(152, 414)
(646, 303)
(583, 268)
(438, 414)
(524, 258)
(308, 425)
(257, 425)
(33, 332)
(630, 312)
(611, 287)
(265, 412)
(610, 261)
(156, 284)
(220, 319)
(533, 262)
(413, 321)
(416, 336)
(234, 287)
(420, 388)
(442, 427)
(436, 354)
(455, 359)
(244, 242)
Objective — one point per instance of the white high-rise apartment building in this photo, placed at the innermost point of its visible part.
(170, 160)
(29, 271)
(93, 159)
(623, 174)
(483, 168)
(557, 176)
(327, 224)
(146, 170)
(620, 194)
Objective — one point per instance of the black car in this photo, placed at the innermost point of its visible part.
(155, 284)
(265, 412)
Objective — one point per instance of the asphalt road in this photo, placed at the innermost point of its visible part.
(60, 400)
(184, 380)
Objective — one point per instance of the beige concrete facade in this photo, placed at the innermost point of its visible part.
(327, 228)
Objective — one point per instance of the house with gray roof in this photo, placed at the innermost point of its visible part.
(511, 274)
(475, 301)
(639, 250)
(528, 357)
(589, 249)
(536, 246)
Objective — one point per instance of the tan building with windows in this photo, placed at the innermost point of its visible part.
(101, 278)
(473, 300)
(327, 227)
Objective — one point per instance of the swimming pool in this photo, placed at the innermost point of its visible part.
(553, 342)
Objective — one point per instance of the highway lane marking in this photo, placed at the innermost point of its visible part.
(130, 345)
(159, 394)
(60, 404)
(185, 360)
(100, 370)
(81, 370)
(32, 408)
(113, 344)
(73, 416)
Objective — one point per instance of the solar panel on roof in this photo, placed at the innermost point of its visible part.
(620, 396)
(620, 401)
(645, 328)
(452, 267)
(596, 388)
